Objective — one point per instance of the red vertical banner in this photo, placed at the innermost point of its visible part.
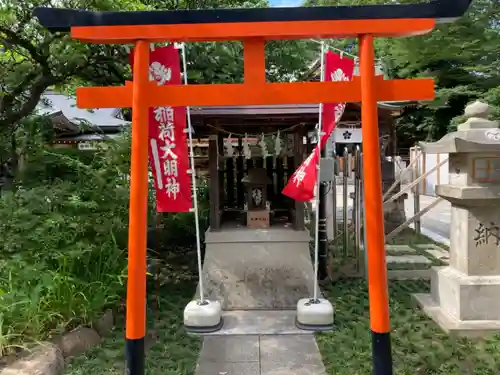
(301, 185)
(168, 148)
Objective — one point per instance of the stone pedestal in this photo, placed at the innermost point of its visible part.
(257, 269)
(465, 296)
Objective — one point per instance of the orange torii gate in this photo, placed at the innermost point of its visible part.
(254, 27)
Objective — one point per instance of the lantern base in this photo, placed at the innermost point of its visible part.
(314, 314)
(203, 317)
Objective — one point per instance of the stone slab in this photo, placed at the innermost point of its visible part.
(291, 369)
(258, 275)
(243, 234)
(436, 252)
(430, 246)
(409, 274)
(230, 349)
(259, 322)
(407, 259)
(228, 368)
(297, 355)
(403, 249)
(443, 257)
(471, 329)
(266, 355)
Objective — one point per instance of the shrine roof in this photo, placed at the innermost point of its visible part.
(57, 19)
(285, 109)
(66, 116)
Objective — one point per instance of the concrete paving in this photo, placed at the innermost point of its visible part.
(259, 276)
(260, 355)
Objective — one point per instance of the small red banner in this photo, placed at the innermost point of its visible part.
(168, 148)
(301, 185)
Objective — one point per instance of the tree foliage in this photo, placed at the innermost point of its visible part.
(463, 57)
(35, 60)
(63, 235)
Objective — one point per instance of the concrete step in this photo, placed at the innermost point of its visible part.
(259, 322)
(407, 259)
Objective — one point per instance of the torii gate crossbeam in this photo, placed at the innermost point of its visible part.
(253, 27)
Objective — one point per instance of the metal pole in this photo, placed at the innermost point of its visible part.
(193, 183)
(334, 195)
(377, 266)
(318, 186)
(138, 216)
(345, 202)
(322, 232)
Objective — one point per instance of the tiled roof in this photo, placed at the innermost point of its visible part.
(59, 104)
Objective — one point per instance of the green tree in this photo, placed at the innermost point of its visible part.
(463, 57)
(223, 62)
(34, 59)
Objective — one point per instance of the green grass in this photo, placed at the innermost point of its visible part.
(419, 346)
(410, 237)
(406, 237)
(173, 352)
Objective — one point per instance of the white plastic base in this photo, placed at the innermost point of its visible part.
(314, 315)
(203, 317)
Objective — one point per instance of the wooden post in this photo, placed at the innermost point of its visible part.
(377, 267)
(213, 183)
(220, 173)
(138, 216)
(240, 190)
(424, 170)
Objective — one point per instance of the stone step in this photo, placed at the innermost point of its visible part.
(407, 259)
(436, 252)
(423, 274)
(399, 249)
(259, 322)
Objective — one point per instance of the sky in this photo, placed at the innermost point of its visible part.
(285, 3)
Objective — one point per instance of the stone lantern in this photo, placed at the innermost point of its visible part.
(257, 206)
(465, 296)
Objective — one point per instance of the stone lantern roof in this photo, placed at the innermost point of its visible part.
(477, 134)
